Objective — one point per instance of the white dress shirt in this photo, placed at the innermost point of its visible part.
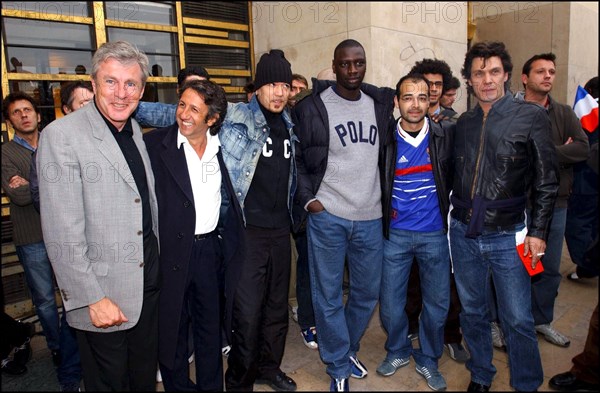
(205, 177)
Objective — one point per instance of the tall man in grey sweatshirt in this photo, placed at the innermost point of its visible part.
(340, 127)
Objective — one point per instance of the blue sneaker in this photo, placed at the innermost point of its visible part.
(310, 337)
(358, 369)
(389, 366)
(434, 379)
(339, 385)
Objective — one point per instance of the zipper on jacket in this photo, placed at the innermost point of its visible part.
(478, 162)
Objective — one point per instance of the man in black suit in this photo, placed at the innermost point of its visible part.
(196, 214)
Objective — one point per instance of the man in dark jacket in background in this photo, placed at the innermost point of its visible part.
(582, 216)
(571, 146)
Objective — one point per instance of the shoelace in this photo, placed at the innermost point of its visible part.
(357, 363)
(4, 362)
(425, 371)
(397, 362)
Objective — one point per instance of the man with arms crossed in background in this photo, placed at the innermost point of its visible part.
(572, 146)
(21, 111)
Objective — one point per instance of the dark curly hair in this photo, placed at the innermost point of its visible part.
(14, 97)
(486, 50)
(454, 83)
(214, 97)
(434, 66)
(189, 71)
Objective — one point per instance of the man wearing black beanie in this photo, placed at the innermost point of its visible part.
(257, 141)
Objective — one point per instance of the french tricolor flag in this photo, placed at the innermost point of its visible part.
(586, 109)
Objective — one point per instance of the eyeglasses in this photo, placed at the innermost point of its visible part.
(129, 87)
(436, 84)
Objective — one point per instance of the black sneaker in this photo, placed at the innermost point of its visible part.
(23, 352)
(279, 382)
(10, 367)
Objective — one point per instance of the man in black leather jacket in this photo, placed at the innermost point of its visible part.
(502, 149)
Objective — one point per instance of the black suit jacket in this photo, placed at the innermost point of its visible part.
(177, 225)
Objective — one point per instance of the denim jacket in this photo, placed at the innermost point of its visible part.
(242, 135)
(155, 114)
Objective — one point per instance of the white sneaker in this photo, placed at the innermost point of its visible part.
(358, 368)
(497, 336)
(225, 350)
(309, 336)
(552, 335)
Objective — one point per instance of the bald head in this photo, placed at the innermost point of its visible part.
(326, 75)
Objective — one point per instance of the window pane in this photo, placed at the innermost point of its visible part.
(167, 63)
(48, 61)
(160, 92)
(160, 47)
(141, 12)
(29, 32)
(50, 8)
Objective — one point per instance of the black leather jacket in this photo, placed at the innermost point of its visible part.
(498, 158)
(441, 137)
(312, 128)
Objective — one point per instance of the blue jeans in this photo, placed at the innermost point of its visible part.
(59, 335)
(430, 249)
(544, 286)
(474, 260)
(330, 240)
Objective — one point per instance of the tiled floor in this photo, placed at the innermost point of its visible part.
(573, 309)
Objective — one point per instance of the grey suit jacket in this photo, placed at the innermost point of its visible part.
(92, 216)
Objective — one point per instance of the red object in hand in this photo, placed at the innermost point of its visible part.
(527, 261)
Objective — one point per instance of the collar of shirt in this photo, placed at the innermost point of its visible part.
(205, 179)
(127, 129)
(212, 144)
(24, 143)
(414, 141)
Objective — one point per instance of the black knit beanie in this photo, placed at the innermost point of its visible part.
(272, 67)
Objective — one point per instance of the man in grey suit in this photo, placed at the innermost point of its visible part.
(99, 219)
